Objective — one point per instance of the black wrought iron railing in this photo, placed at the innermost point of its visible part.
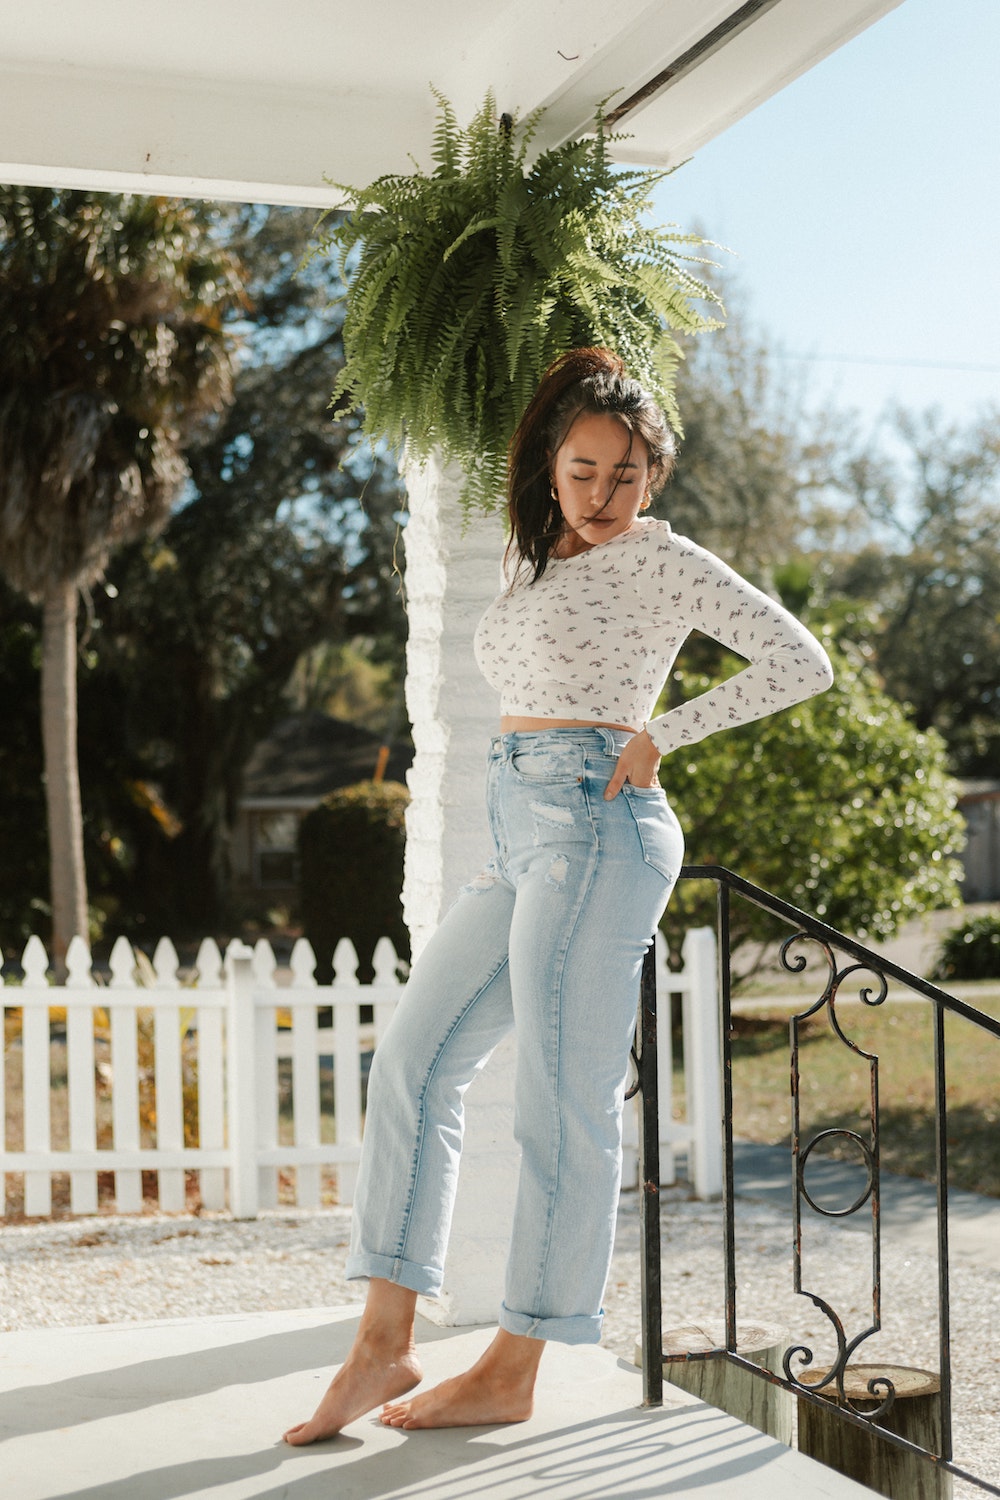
(866, 975)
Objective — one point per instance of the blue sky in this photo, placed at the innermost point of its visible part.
(863, 202)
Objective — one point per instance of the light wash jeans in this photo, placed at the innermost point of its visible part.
(548, 939)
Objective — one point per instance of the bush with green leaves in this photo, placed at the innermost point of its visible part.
(839, 805)
(465, 283)
(971, 951)
(351, 861)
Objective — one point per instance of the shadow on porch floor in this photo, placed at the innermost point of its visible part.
(194, 1408)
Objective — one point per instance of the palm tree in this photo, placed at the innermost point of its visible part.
(111, 344)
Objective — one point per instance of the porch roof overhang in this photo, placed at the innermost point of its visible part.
(253, 99)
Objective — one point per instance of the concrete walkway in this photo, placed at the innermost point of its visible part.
(764, 1173)
(193, 1408)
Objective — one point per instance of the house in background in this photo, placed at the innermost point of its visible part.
(979, 804)
(302, 760)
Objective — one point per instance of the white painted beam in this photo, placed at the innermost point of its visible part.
(198, 138)
(232, 101)
(781, 45)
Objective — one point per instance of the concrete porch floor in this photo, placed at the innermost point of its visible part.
(195, 1408)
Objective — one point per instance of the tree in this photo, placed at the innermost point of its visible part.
(839, 806)
(111, 344)
(24, 867)
(285, 541)
(195, 637)
(930, 578)
(756, 464)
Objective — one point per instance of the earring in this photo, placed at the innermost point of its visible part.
(552, 492)
(646, 501)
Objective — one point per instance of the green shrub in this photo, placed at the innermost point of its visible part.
(839, 805)
(351, 852)
(971, 951)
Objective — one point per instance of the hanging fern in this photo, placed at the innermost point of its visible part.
(464, 284)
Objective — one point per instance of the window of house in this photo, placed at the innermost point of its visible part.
(276, 849)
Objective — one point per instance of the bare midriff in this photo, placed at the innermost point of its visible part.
(519, 724)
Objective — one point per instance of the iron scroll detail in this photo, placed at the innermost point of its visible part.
(880, 1388)
(936, 1452)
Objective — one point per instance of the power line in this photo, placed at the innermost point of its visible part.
(905, 364)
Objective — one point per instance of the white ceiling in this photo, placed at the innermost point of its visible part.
(261, 99)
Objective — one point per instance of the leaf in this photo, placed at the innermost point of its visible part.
(464, 285)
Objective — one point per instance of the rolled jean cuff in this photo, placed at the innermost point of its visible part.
(578, 1330)
(426, 1280)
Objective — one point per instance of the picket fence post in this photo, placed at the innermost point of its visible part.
(211, 1074)
(124, 1019)
(346, 1069)
(168, 1077)
(80, 1061)
(266, 1081)
(305, 1074)
(36, 1074)
(700, 1132)
(702, 1060)
(241, 1075)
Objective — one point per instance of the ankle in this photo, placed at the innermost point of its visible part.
(512, 1362)
(381, 1343)
(386, 1325)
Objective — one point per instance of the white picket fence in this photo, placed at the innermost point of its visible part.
(699, 1130)
(217, 1042)
(229, 1019)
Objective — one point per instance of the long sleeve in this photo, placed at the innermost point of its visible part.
(786, 662)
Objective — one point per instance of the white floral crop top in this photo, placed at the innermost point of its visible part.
(597, 635)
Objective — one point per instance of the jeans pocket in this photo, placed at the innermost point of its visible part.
(540, 766)
(660, 836)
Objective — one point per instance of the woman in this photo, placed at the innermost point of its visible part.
(549, 938)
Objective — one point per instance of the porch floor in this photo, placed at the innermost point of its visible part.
(194, 1407)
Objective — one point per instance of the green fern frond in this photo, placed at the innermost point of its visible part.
(446, 140)
(464, 284)
(478, 226)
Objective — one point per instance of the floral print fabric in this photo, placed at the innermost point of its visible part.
(595, 638)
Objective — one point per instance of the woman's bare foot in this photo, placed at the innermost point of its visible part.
(499, 1388)
(382, 1364)
(367, 1378)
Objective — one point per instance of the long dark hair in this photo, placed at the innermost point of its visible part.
(584, 380)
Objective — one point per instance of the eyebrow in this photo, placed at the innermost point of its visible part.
(625, 464)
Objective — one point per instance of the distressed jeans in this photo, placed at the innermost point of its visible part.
(549, 939)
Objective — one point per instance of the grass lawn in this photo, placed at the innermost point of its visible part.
(835, 1089)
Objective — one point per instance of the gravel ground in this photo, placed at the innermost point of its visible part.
(107, 1270)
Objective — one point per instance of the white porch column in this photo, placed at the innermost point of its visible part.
(451, 575)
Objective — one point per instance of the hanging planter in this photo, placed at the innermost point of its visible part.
(462, 285)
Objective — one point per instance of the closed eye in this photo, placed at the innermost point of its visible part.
(622, 478)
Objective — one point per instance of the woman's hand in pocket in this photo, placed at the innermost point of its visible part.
(638, 764)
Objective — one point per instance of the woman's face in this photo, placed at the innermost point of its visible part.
(600, 475)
